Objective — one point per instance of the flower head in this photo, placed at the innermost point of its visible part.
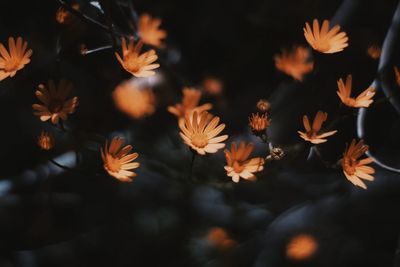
(139, 65)
(301, 247)
(263, 106)
(295, 62)
(239, 164)
(16, 59)
(55, 104)
(362, 100)
(46, 140)
(212, 86)
(219, 238)
(190, 101)
(149, 30)
(135, 101)
(199, 132)
(259, 123)
(118, 162)
(324, 40)
(374, 51)
(313, 134)
(63, 16)
(355, 168)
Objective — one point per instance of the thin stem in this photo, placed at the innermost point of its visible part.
(94, 50)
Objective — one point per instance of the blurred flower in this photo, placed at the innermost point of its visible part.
(139, 65)
(362, 100)
(118, 162)
(374, 51)
(134, 101)
(149, 30)
(259, 123)
(190, 100)
(354, 168)
(397, 74)
(219, 238)
(301, 247)
(199, 132)
(212, 86)
(238, 164)
(276, 153)
(312, 134)
(55, 104)
(18, 57)
(324, 40)
(263, 106)
(46, 140)
(63, 16)
(295, 62)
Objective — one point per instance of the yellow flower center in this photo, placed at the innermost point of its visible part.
(113, 164)
(200, 140)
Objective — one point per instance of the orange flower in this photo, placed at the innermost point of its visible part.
(312, 133)
(139, 65)
(63, 16)
(397, 74)
(46, 140)
(18, 57)
(219, 238)
(55, 104)
(374, 51)
(149, 30)
(212, 86)
(354, 168)
(199, 132)
(263, 105)
(134, 101)
(324, 40)
(238, 164)
(301, 247)
(259, 123)
(295, 62)
(118, 162)
(190, 100)
(362, 100)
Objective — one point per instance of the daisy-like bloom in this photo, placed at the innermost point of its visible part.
(363, 100)
(301, 247)
(312, 134)
(149, 30)
(355, 168)
(397, 74)
(219, 238)
(55, 102)
(263, 105)
(294, 63)
(46, 140)
(18, 57)
(63, 16)
(134, 101)
(199, 132)
(324, 40)
(239, 164)
(259, 123)
(118, 162)
(212, 86)
(139, 65)
(374, 51)
(190, 101)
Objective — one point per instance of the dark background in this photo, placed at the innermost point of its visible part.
(82, 217)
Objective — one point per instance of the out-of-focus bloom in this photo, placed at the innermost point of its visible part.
(374, 51)
(212, 86)
(63, 16)
(149, 30)
(16, 59)
(324, 40)
(362, 100)
(199, 132)
(355, 168)
(134, 101)
(190, 100)
(46, 140)
(139, 65)
(397, 74)
(219, 238)
(259, 123)
(301, 247)
(55, 104)
(294, 63)
(312, 134)
(118, 162)
(263, 106)
(276, 153)
(239, 164)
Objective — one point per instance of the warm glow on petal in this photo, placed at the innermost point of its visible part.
(15, 59)
(149, 30)
(295, 63)
(312, 133)
(301, 247)
(363, 100)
